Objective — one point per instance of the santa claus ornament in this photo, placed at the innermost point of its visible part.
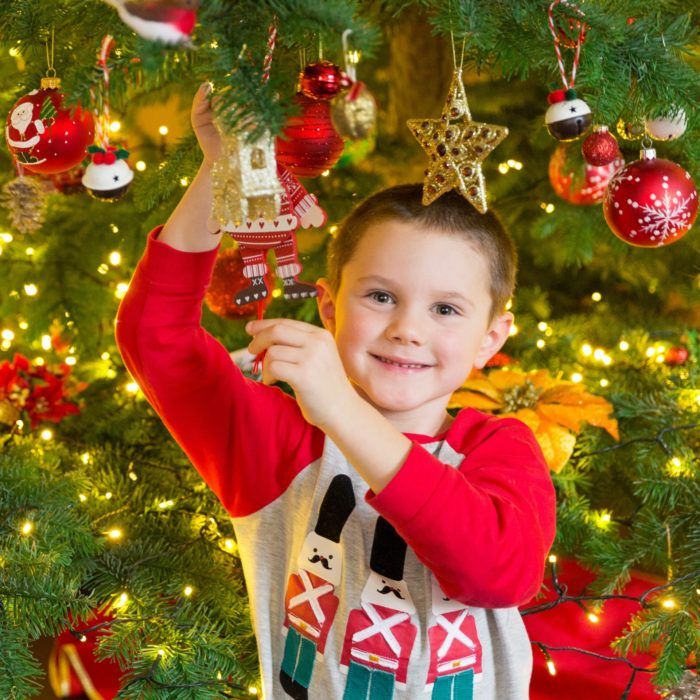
(651, 202)
(166, 21)
(45, 136)
(108, 176)
(568, 116)
(576, 181)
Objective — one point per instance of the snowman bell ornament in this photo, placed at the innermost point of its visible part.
(567, 117)
(108, 176)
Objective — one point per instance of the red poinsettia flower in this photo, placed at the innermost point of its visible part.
(48, 402)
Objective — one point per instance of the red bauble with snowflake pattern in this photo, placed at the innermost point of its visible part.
(310, 143)
(576, 181)
(46, 137)
(651, 202)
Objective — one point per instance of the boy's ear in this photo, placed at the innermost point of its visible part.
(326, 304)
(494, 339)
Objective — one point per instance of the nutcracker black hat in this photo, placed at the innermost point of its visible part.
(388, 551)
(336, 507)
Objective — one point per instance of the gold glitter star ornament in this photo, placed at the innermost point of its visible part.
(456, 145)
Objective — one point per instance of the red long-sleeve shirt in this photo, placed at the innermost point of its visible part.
(475, 506)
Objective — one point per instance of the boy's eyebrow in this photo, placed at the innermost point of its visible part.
(455, 296)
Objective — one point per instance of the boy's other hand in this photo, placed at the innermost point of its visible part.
(305, 356)
(202, 116)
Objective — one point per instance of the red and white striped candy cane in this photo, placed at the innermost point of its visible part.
(102, 119)
(271, 40)
(568, 82)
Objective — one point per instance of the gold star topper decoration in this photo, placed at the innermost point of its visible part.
(456, 145)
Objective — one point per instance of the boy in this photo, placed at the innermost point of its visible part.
(407, 589)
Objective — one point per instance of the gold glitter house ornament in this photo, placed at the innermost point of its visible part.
(244, 181)
(456, 145)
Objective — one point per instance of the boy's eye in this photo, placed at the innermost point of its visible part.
(445, 310)
(381, 297)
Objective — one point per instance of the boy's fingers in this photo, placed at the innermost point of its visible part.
(278, 335)
(255, 327)
(200, 102)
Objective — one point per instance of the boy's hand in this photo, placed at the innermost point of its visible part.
(202, 117)
(304, 356)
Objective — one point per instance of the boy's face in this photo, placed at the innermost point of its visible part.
(410, 320)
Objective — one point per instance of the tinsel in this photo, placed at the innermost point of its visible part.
(25, 200)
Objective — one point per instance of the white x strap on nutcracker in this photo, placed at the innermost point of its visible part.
(311, 596)
(453, 633)
(381, 626)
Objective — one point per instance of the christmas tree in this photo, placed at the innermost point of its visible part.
(108, 533)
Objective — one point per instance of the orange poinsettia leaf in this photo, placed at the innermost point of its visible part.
(504, 379)
(557, 444)
(483, 385)
(527, 416)
(543, 380)
(472, 399)
(564, 392)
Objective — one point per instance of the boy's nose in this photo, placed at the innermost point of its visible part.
(405, 328)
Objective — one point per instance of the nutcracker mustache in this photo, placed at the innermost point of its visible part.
(324, 562)
(388, 589)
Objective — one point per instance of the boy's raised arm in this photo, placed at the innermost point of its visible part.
(247, 440)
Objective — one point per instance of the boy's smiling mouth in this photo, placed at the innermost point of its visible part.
(399, 362)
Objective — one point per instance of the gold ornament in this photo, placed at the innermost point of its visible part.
(630, 130)
(456, 145)
(354, 114)
(25, 200)
(244, 181)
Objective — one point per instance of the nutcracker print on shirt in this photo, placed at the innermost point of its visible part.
(380, 633)
(455, 651)
(310, 600)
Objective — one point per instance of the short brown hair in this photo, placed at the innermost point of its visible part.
(451, 214)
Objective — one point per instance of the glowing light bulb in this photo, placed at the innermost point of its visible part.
(576, 377)
(115, 126)
(229, 544)
(542, 326)
(593, 617)
(604, 382)
(669, 603)
(39, 361)
(161, 652)
(132, 387)
(596, 296)
(163, 130)
(29, 251)
(31, 290)
(115, 533)
(325, 173)
(6, 237)
(114, 228)
(624, 345)
(140, 165)
(503, 168)
(85, 457)
(166, 504)
(513, 330)
(115, 257)
(46, 342)
(82, 497)
(133, 476)
(108, 495)
(184, 181)
(509, 305)
(23, 325)
(46, 434)
(121, 290)
(27, 527)
(252, 691)
(586, 349)
(333, 229)
(82, 638)
(103, 269)
(7, 334)
(188, 591)
(540, 343)
(552, 558)
(71, 360)
(551, 667)
(105, 355)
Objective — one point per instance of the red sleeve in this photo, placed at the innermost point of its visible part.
(247, 440)
(484, 528)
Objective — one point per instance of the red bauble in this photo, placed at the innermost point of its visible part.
(574, 180)
(676, 355)
(227, 279)
(310, 144)
(600, 147)
(651, 202)
(323, 80)
(44, 136)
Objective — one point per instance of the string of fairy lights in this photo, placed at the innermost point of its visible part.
(667, 603)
